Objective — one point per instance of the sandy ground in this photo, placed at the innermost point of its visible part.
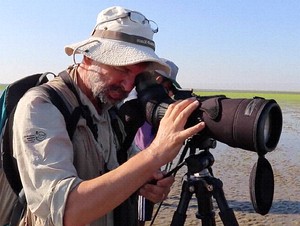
(233, 167)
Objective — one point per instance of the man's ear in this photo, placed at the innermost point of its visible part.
(87, 60)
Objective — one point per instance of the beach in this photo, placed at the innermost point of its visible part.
(233, 166)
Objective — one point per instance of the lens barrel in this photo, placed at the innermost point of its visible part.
(251, 124)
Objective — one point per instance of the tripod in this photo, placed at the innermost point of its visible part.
(200, 181)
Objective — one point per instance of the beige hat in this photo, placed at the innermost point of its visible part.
(121, 37)
(173, 73)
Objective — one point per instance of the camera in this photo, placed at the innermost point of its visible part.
(251, 124)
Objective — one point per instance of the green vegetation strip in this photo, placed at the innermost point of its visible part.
(278, 96)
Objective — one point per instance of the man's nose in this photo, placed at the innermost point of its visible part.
(128, 83)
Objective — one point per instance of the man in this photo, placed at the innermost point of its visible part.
(80, 182)
(146, 133)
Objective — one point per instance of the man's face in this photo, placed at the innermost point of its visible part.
(111, 84)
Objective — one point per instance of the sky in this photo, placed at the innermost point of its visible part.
(217, 44)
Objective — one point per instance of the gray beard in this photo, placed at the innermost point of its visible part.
(98, 89)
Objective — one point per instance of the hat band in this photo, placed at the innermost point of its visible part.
(124, 37)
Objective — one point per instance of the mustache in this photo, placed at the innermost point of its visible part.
(117, 89)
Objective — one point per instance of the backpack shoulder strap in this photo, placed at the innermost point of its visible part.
(71, 119)
(17, 89)
(82, 110)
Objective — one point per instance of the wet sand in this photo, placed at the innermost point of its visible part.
(233, 167)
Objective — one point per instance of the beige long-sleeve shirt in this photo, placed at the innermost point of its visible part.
(50, 164)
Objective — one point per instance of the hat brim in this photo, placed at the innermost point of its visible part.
(117, 53)
(176, 84)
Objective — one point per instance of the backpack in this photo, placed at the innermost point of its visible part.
(8, 102)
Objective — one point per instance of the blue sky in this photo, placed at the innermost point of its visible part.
(241, 45)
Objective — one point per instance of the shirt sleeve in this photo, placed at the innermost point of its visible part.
(44, 153)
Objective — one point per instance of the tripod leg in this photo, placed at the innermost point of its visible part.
(205, 205)
(226, 214)
(180, 213)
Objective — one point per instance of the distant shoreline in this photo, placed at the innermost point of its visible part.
(243, 91)
(280, 96)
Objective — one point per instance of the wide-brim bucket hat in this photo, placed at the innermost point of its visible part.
(121, 37)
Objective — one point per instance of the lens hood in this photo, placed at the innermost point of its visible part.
(251, 124)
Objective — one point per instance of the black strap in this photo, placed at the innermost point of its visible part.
(82, 110)
(71, 119)
(122, 152)
(18, 210)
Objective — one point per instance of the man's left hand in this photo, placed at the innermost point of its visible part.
(158, 191)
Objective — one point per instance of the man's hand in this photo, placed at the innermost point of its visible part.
(158, 191)
(172, 133)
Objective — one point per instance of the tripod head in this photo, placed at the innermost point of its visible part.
(196, 162)
(200, 142)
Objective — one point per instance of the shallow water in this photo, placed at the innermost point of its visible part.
(290, 138)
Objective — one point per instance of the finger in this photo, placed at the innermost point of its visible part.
(171, 107)
(175, 108)
(180, 112)
(158, 175)
(185, 111)
(192, 130)
(155, 193)
(162, 186)
(166, 182)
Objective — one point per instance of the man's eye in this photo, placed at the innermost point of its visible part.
(122, 69)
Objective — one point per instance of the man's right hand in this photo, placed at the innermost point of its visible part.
(171, 132)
